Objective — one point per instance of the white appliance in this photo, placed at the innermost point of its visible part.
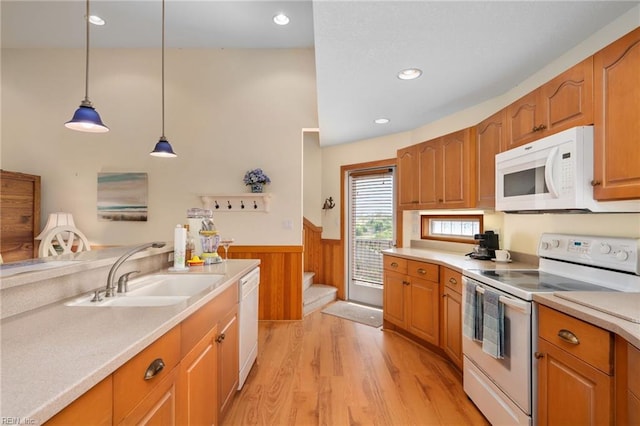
(552, 174)
(505, 390)
(248, 320)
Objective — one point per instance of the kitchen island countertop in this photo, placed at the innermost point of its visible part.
(54, 354)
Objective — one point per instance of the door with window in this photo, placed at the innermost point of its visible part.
(370, 229)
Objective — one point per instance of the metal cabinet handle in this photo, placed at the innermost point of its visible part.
(406, 282)
(568, 337)
(453, 281)
(394, 265)
(422, 271)
(154, 368)
(596, 183)
(538, 355)
(220, 338)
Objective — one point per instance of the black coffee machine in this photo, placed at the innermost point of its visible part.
(487, 246)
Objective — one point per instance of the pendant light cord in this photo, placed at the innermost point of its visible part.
(162, 69)
(86, 74)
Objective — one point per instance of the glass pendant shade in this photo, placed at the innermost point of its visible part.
(163, 149)
(86, 119)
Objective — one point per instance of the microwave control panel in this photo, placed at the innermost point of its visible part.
(606, 252)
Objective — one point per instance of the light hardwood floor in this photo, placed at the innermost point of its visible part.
(325, 370)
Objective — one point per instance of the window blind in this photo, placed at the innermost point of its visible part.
(371, 228)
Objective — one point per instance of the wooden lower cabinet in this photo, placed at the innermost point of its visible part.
(198, 383)
(94, 407)
(228, 364)
(451, 341)
(411, 300)
(158, 407)
(19, 215)
(575, 371)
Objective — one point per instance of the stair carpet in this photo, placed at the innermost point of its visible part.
(316, 296)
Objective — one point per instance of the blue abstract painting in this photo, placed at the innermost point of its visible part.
(122, 197)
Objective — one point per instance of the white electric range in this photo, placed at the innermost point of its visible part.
(504, 389)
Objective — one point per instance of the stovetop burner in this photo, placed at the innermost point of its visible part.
(539, 281)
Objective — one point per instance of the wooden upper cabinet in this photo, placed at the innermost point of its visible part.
(20, 215)
(428, 159)
(408, 176)
(490, 140)
(617, 120)
(457, 185)
(562, 103)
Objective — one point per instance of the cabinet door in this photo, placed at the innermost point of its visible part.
(92, 408)
(490, 140)
(617, 119)
(393, 298)
(228, 363)
(158, 407)
(456, 186)
(570, 391)
(20, 215)
(524, 118)
(452, 325)
(407, 177)
(424, 310)
(429, 155)
(198, 384)
(568, 98)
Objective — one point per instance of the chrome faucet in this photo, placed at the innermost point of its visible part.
(111, 280)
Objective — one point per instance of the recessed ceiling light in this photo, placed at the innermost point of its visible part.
(381, 121)
(409, 74)
(96, 20)
(281, 19)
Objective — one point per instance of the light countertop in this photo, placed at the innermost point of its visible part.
(54, 354)
(590, 309)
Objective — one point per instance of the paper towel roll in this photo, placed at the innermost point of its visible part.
(179, 245)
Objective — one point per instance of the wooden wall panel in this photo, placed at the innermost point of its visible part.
(20, 213)
(280, 279)
(312, 248)
(332, 271)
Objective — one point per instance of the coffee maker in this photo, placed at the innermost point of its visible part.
(487, 246)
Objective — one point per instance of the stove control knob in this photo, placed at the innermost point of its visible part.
(605, 248)
(545, 245)
(555, 243)
(622, 255)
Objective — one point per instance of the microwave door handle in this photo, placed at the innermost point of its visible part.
(548, 172)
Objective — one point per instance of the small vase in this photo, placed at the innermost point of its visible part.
(256, 187)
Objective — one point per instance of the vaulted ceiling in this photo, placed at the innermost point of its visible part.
(468, 51)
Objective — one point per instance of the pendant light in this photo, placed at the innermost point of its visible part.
(163, 147)
(86, 118)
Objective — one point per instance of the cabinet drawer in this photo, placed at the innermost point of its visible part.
(633, 369)
(587, 342)
(452, 279)
(397, 264)
(129, 384)
(425, 271)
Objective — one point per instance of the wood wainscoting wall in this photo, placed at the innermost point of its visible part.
(280, 279)
(324, 257)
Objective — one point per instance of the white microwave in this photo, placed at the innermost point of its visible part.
(552, 174)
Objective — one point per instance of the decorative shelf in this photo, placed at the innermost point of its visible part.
(247, 202)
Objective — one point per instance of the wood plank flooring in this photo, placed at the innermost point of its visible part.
(325, 370)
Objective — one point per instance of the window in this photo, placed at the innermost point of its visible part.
(450, 228)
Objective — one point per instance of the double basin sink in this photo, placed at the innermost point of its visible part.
(156, 290)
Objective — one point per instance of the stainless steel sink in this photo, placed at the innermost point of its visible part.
(156, 290)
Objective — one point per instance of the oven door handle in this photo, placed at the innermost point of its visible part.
(523, 307)
(548, 172)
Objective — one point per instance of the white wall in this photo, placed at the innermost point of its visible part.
(312, 176)
(227, 111)
(518, 232)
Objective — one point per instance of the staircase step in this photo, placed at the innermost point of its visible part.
(317, 296)
(307, 280)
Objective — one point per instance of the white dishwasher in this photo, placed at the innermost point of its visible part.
(248, 318)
